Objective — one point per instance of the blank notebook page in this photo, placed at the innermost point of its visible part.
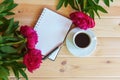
(51, 29)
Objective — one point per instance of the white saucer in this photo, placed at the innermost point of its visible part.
(81, 52)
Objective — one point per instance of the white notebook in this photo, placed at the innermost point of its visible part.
(52, 29)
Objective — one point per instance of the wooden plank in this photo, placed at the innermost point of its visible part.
(70, 78)
(26, 11)
(37, 2)
(105, 27)
(114, 10)
(79, 67)
(106, 47)
(53, 2)
(28, 15)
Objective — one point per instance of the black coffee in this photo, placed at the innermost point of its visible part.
(82, 40)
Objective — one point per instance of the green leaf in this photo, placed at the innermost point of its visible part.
(6, 6)
(15, 26)
(100, 8)
(3, 55)
(10, 13)
(12, 27)
(73, 5)
(4, 72)
(97, 1)
(1, 62)
(17, 68)
(23, 74)
(91, 12)
(5, 78)
(1, 22)
(97, 13)
(91, 3)
(2, 15)
(16, 72)
(10, 7)
(2, 8)
(4, 26)
(6, 39)
(8, 49)
(18, 64)
(60, 4)
(111, 0)
(8, 31)
(107, 3)
(66, 3)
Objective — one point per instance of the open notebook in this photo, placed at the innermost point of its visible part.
(51, 28)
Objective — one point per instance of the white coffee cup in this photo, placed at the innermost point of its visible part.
(81, 39)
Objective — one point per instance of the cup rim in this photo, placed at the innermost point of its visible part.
(75, 34)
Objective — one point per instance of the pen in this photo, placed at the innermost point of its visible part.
(44, 57)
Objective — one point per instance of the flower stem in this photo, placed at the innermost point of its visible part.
(84, 3)
(10, 61)
(78, 5)
(13, 43)
(13, 60)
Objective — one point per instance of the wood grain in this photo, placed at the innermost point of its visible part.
(106, 47)
(79, 67)
(72, 78)
(103, 64)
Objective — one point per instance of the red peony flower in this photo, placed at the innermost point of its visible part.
(31, 36)
(26, 30)
(31, 43)
(32, 59)
(82, 20)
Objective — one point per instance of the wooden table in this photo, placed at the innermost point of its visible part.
(103, 64)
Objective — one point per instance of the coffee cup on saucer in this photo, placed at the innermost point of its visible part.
(81, 43)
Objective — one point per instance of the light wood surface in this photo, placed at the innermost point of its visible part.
(103, 64)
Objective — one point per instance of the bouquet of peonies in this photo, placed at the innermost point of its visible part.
(17, 48)
(86, 10)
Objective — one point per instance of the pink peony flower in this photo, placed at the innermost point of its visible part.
(82, 20)
(26, 30)
(32, 59)
(31, 43)
(31, 36)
